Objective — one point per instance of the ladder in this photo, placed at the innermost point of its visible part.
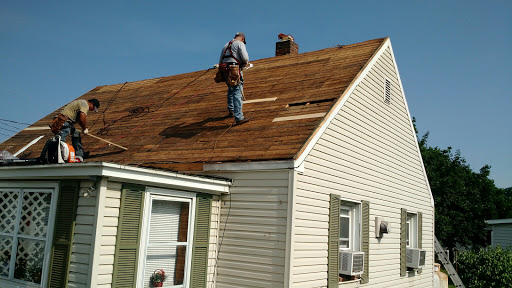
(441, 254)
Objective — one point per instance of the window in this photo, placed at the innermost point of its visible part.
(412, 230)
(168, 239)
(350, 226)
(26, 215)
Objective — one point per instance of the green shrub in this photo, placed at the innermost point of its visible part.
(491, 267)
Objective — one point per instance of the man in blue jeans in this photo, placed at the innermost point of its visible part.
(76, 112)
(234, 56)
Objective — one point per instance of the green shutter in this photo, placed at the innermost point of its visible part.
(128, 236)
(420, 234)
(63, 233)
(403, 242)
(365, 241)
(199, 271)
(334, 242)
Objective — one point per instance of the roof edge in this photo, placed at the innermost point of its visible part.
(498, 221)
(322, 126)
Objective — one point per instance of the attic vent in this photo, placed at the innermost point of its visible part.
(311, 102)
(387, 91)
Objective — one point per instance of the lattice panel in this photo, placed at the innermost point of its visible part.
(8, 207)
(29, 260)
(35, 213)
(5, 255)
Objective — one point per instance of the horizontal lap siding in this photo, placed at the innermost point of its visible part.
(82, 239)
(368, 152)
(109, 233)
(214, 238)
(502, 235)
(252, 231)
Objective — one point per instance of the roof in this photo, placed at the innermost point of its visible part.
(499, 221)
(180, 122)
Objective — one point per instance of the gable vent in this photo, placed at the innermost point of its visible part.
(387, 92)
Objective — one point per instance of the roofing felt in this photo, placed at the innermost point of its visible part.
(184, 119)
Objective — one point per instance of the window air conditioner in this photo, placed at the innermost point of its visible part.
(351, 263)
(416, 257)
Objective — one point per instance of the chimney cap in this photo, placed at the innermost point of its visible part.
(285, 37)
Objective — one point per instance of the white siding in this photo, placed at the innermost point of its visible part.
(252, 231)
(502, 235)
(368, 152)
(82, 239)
(214, 238)
(109, 233)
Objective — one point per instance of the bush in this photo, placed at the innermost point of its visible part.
(491, 267)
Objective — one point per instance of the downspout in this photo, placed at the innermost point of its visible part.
(94, 257)
(290, 228)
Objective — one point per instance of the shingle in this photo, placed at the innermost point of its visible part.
(183, 118)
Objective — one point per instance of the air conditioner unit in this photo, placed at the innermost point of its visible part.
(351, 263)
(416, 257)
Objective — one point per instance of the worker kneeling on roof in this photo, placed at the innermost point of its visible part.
(233, 57)
(74, 112)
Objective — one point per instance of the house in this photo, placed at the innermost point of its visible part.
(325, 187)
(501, 232)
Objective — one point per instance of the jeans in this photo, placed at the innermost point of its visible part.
(235, 100)
(76, 140)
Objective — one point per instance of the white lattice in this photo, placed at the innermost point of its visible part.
(34, 214)
(5, 255)
(8, 207)
(29, 260)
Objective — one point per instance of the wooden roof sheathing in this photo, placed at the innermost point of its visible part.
(183, 118)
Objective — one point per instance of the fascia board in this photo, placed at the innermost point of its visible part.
(344, 97)
(411, 125)
(250, 166)
(117, 172)
(498, 221)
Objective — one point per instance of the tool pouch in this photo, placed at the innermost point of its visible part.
(219, 77)
(233, 75)
(58, 122)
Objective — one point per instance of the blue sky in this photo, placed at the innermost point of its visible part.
(453, 56)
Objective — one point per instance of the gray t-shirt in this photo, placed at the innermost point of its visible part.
(239, 51)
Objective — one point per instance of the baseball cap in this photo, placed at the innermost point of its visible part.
(96, 104)
(242, 35)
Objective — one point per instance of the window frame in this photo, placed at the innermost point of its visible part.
(46, 187)
(355, 228)
(412, 230)
(173, 196)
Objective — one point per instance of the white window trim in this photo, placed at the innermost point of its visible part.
(49, 235)
(354, 234)
(168, 195)
(412, 222)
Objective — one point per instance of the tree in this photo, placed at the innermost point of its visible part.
(463, 198)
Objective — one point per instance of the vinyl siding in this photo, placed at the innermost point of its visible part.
(368, 152)
(214, 240)
(109, 234)
(502, 235)
(82, 239)
(252, 231)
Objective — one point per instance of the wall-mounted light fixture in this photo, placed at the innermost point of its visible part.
(89, 191)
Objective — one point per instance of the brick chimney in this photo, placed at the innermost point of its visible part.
(286, 45)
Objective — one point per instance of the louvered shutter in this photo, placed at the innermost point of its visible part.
(128, 236)
(63, 233)
(420, 234)
(334, 242)
(403, 242)
(198, 275)
(365, 241)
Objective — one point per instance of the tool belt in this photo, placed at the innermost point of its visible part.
(228, 73)
(58, 122)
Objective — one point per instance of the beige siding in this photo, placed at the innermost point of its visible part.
(82, 239)
(108, 234)
(252, 231)
(368, 152)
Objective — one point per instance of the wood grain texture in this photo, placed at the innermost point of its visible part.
(183, 119)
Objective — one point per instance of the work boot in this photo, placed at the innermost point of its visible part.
(245, 120)
(86, 154)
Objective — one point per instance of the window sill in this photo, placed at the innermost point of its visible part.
(351, 283)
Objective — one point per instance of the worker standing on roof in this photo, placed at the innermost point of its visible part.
(74, 112)
(233, 57)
